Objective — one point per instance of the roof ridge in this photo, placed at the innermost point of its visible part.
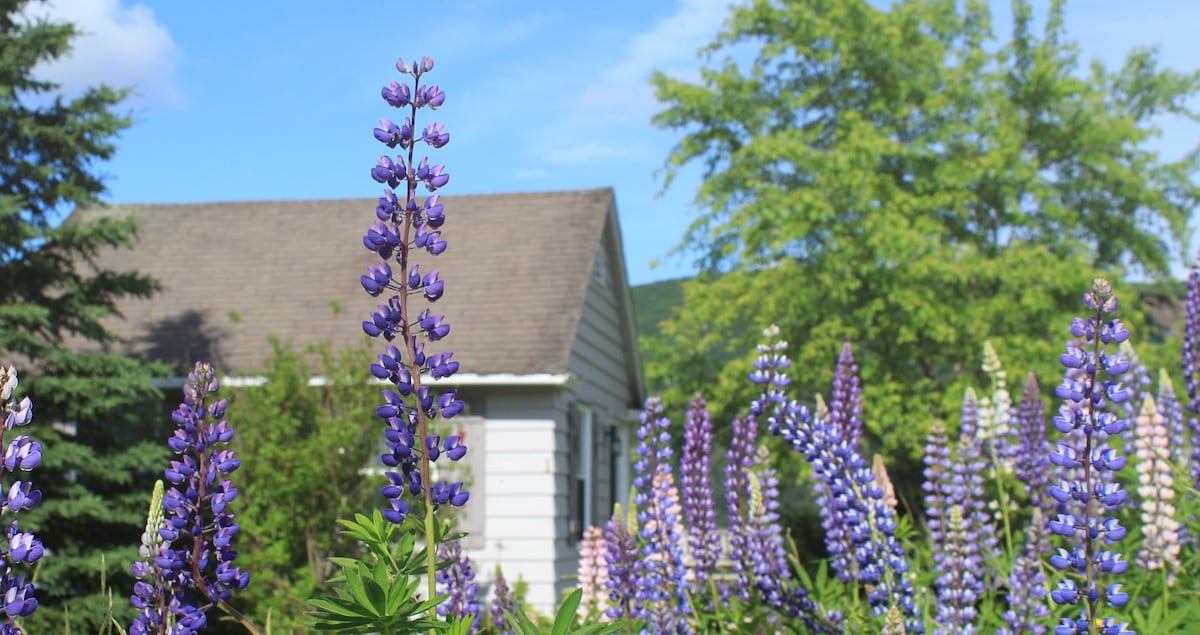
(263, 201)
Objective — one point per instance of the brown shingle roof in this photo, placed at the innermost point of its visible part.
(516, 273)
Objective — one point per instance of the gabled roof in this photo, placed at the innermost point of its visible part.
(516, 272)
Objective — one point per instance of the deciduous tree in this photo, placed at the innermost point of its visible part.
(903, 179)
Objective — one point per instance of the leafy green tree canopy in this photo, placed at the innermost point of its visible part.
(311, 447)
(901, 179)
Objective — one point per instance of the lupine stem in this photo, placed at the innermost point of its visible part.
(415, 370)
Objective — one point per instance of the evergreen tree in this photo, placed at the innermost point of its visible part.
(106, 441)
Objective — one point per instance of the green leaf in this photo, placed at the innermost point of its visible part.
(566, 613)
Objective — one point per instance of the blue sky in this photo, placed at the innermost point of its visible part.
(273, 100)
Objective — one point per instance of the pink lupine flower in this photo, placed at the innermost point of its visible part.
(1156, 488)
(593, 572)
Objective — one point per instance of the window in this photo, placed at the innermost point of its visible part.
(582, 477)
(617, 487)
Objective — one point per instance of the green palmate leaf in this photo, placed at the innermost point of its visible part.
(597, 629)
(338, 607)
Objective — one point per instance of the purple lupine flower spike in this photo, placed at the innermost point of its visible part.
(846, 403)
(1030, 460)
(958, 582)
(22, 549)
(969, 468)
(966, 535)
(883, 564)
(739, 461)
(1087, 502)
(622, 555)
(699, 513)
(845, 415)
(402, 226)
(659, 574)
(1027, 589)
(193, 568)
(458, 581)
(1172, 412)
(503, 602)
(1191, 366)
(938, 488)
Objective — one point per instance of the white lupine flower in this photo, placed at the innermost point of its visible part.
(994, 411)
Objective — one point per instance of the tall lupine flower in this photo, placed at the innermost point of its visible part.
(593, 572)
(503, 602)
(158, 606)
(965, 538)
(659, 574)
(404, 226)
(1172, 412)
(969, 467)
(193, 568)
(1030, 460)
(457, 580)
(22, 550)
(1156, 489)
(938, 488)
(882, 564)
(767, 554)
(846, 402)
(958, 582)
(1191, 366)
(845, 415)
(699, 513)
(1027, 588)
(622, 556)
(1086, 500)
(994, 413)
(739, 463)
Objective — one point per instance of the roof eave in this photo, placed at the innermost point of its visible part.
(545, 380)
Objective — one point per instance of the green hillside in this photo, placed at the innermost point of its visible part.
(653, 302)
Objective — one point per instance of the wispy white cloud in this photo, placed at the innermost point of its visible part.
(603, 118)
(118, 45)
(670, 45)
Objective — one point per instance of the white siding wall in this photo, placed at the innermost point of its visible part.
(603, 380)
(527, 444)
(521, 518)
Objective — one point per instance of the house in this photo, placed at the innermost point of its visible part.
(542, 324)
